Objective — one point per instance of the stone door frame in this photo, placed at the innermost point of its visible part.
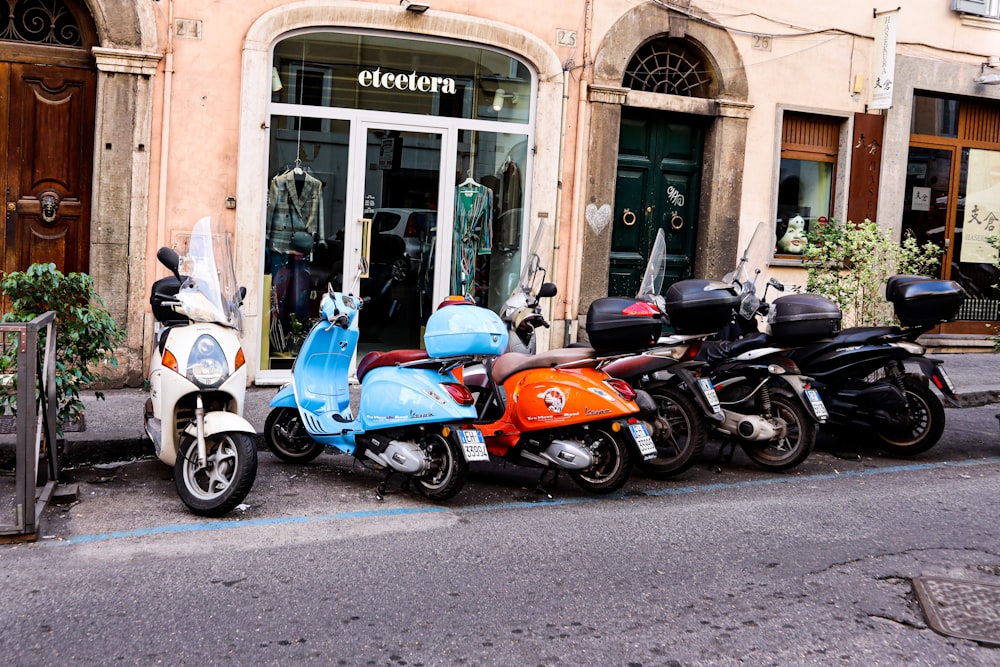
(725, 139)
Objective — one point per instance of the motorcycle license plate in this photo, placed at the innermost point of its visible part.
(708, 389)
(473, 445)
(817, 403)
(646, 446)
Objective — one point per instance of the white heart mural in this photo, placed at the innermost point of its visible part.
(598, 218)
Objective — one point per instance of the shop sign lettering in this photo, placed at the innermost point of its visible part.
(413, 82)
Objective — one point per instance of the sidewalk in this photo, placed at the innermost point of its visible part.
(114, 429)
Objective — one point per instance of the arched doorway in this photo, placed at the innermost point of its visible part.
(659, 166)
(47, 103)
(668, 109)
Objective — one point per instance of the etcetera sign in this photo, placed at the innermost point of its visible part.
(402, 81)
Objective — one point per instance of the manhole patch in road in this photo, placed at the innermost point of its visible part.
(960, 608)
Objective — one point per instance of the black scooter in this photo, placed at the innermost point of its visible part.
(863, 377)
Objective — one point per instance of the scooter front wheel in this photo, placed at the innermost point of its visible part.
(226, 478)
(287, 438)
(612, 461)
(448, 468)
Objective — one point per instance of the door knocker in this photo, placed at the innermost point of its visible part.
(628, 218)
(50, 207)
(676, 221)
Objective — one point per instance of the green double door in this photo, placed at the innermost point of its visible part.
(657, 187)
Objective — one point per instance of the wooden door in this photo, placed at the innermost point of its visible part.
(46, 131)
(657, 187)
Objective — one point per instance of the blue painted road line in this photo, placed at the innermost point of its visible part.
(403, 511)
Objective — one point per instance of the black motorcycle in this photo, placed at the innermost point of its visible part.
(876, 381)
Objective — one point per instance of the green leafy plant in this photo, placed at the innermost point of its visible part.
(850, 265)
(86, 334)
(299, 332)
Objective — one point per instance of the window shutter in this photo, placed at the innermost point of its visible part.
(977, 7)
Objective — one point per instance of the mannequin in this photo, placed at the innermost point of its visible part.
(473, 234)
(794, 240)
(294, 204)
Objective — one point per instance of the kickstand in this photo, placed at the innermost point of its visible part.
(380, 490)
(547, 487)
(725, 455)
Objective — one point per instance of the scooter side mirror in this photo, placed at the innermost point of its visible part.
(169, 258)
(547, 290)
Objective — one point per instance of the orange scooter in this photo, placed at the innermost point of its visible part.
(558, 411)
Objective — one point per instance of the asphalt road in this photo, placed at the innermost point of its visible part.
(726, 565)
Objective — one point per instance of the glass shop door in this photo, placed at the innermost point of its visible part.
(401, 198)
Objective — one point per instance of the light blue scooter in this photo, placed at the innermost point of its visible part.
(414, 416)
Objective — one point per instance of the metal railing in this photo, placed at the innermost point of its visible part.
(35, 423)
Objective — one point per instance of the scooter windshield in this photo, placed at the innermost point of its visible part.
(755, 259)
(532, 266)
(208, 291)
(656, 269)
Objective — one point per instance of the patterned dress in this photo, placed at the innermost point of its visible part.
(473, 234)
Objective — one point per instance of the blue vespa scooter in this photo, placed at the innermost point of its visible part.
(412, 408)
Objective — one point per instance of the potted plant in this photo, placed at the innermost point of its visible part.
(850, 263)
(86, 334)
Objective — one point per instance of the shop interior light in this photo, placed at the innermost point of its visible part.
(415, 7)
(500, 95)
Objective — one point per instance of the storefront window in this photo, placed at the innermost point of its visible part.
(952, 199)
(304, 227)
(975, 265)
(805, 180)
(934, 116)
(489, 215)
(374, 142)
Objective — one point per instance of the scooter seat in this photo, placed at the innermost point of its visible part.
(720, 350)
(862, 335)
(846, 338)
(392, 358)
(512, 362)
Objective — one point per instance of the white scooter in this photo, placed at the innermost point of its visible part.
(197, 375)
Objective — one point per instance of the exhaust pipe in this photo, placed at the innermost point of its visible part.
(404, 457)
(753, 428)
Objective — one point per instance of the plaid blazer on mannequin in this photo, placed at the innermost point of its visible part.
(290, 211)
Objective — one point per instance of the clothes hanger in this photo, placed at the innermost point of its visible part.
(469, 182)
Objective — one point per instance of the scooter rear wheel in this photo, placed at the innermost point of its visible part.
(679, 448)
(448, 470)
(925, 422)
(226, 479)
(287, 438)
(798, 442)
(612, 464)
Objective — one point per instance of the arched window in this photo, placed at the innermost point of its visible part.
(670, 66)
(39, 22)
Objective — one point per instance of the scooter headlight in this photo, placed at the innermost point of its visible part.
(207, 366)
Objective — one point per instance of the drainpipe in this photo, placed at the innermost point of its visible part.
(562, 166)
(576, 243)
(579, 180)
(168, 75)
